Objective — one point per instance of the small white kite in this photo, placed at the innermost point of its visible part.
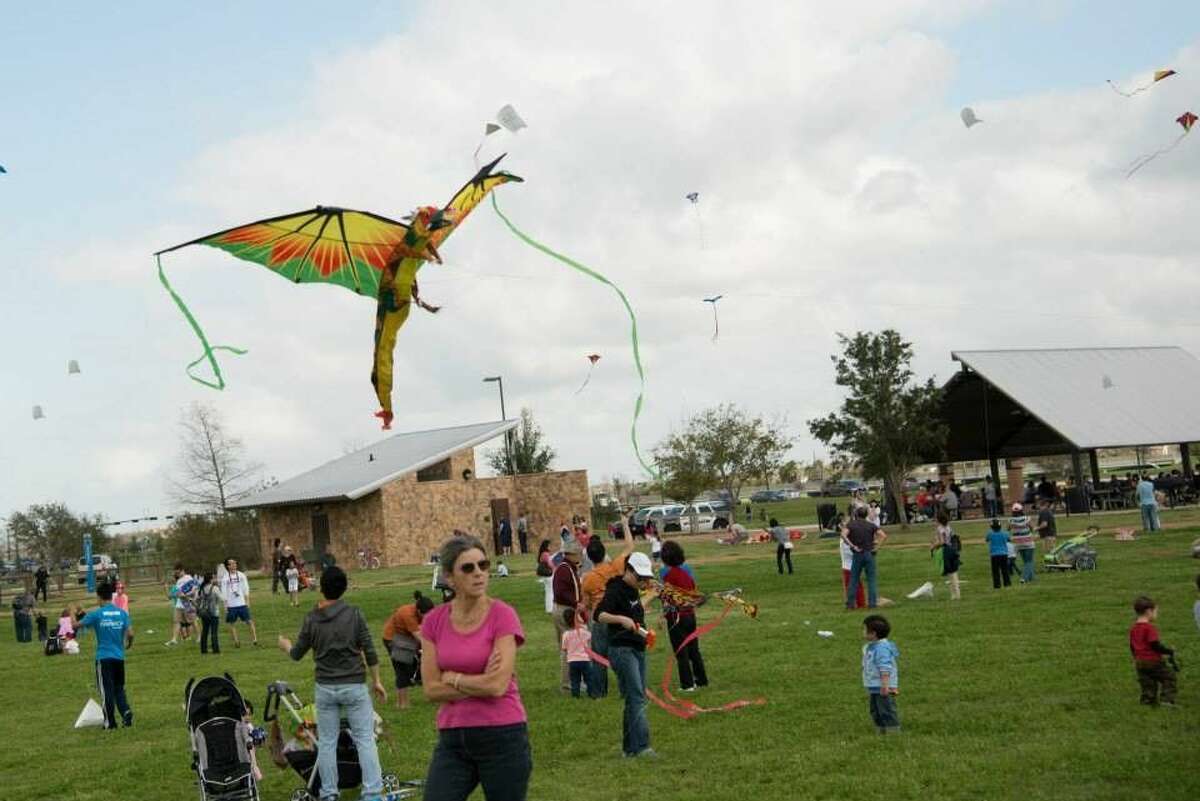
(968, 117)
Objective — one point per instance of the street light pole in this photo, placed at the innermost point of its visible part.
(499, 380)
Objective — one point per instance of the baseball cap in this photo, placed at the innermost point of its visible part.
(572, 547)
(641, 565)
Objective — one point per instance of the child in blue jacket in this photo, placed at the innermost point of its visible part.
(881, 673)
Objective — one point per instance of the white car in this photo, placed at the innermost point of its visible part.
(707, 518)
(102, 566)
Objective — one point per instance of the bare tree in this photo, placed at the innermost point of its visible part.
(213, 470)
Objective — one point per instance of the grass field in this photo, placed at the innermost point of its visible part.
(1026, 693)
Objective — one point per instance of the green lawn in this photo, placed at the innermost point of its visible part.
(1026, 693)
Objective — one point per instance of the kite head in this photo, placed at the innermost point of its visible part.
(593, 358)
(423, 222)
(1187, 119)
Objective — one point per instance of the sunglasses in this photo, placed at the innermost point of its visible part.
(469, 567)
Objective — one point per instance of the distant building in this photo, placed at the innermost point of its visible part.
(403, 496)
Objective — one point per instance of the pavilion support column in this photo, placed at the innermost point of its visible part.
(995, 467)
(1077, 467)
(946, 473)
(1016, 480)
(1094, 463)
(1185, 455)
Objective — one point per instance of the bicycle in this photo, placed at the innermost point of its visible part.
(368, 559)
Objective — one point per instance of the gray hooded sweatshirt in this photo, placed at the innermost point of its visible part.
(339, 639)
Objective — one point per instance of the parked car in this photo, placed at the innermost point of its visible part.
(102, 566)
(768, 496)
(707, 516)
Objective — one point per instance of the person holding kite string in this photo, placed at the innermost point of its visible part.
(621, 609)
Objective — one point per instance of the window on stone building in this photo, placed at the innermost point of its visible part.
(435, 472)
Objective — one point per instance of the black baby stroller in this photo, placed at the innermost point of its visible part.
(218, 720)
(300, 749)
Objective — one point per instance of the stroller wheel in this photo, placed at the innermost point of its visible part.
(302, 795)
(391, 782)
(1085, 562)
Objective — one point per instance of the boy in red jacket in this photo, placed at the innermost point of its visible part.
(1148, 652)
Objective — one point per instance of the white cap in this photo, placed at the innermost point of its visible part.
(641, 565)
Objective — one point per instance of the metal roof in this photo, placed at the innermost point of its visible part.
(1093, 397)
(366, 470)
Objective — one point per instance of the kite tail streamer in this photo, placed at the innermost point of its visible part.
(716, 325)
(1136, 91)
(1142, 161)
(208, 349)
(637, 356)
(586, 379)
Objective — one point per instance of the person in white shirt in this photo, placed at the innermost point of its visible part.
(235, 591)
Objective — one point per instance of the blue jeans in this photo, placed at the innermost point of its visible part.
(353, 702)
(1150, 517)
(1027, 562)
(862, 560)
(498, 757)
(630, 666)
(599, 671)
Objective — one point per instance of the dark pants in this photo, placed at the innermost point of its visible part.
(43, 628)
(1000, 570)
(523, 539)
(41, 589)
(210, 626)
(581, 673)
(599, 672)
(278, 577)
(782, 553)
(630, 666)
(110, 678)
(498, 757)
(24, 624)
(1151, 676)
(884, 713)
(691, 663)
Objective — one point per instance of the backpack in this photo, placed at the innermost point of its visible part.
(53, 646)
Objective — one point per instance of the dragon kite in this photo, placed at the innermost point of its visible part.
(368, 254)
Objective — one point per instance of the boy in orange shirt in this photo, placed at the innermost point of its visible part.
(592, 591)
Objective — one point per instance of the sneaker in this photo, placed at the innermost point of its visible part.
(127, 718)
(646, 753)
(169, 643)
(1170, 704)
(688, 690)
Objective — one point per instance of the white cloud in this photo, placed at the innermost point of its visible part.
(839, 191)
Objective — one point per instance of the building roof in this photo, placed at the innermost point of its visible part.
(366, 470)
(1040, 402)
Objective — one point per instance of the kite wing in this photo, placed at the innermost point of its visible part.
(1160, 74)
(323, 245)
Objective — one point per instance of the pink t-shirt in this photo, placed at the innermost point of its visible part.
(121, 601)
(576, 642)
(469, 653)
(66, 627)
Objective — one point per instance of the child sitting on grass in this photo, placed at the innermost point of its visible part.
(66, 625)
(881, 673)
(1148, 652)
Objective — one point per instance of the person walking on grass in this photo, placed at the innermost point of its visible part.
(468, 667)
(208, 609)
(114, 635)
(1148, 651)
(864, 540)
(621, 610)
(945, 547)
(523, 533)
(564, 584)
(41, 583)
(1047, 526)
(401, 641)
(183, 595)
(1022, 540)
(681, 618)
(998, 541)
(338, 636)
(291, 575)
(783, 543)
(235, 589)
(24, 608)
(592, 587)
(1148, 504)
(575, 644)
(881, 673)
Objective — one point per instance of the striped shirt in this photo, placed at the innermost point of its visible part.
(1022, 533)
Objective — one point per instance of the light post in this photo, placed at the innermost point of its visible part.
(503, 416)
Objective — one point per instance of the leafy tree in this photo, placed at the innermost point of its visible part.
(202, 541)
(888, 424)
(528, 453)
(731, 447)
(789, 472)
(213, 470)
(51, 532)
(683, 470)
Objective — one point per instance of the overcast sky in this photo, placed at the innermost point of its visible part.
(839, 191)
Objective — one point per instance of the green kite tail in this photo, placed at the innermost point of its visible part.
(637, 355)
(208, 349)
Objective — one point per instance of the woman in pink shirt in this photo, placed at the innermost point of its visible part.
(469, 653)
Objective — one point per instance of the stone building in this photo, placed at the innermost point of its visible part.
(403, 495)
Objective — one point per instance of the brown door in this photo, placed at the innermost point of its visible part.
(320, 533)
(499, 512)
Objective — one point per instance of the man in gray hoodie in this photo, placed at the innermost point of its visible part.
(338, 636)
